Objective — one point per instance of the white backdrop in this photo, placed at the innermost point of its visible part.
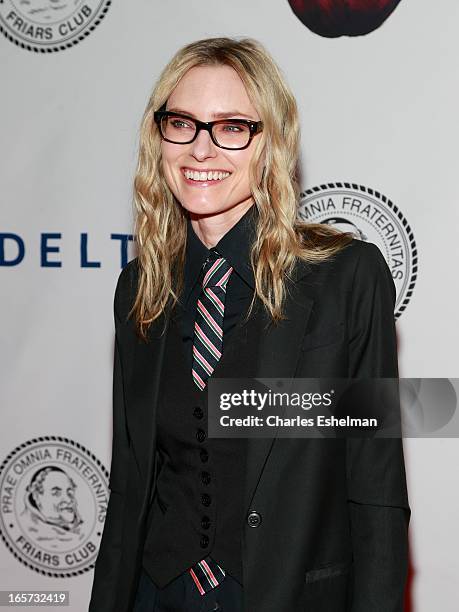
(378, 112)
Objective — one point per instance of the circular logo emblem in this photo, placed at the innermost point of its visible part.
(50, 25)
(54, 496)
(372, 217)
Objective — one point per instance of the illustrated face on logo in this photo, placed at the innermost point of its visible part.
(55, 498)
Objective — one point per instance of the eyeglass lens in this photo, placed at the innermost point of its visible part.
(227, 134)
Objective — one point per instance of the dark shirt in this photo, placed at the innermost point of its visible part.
(179, 410)
(234, 246)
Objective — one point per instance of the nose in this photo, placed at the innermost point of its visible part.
(203, 147)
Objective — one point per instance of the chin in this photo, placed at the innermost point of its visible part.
(202, 208)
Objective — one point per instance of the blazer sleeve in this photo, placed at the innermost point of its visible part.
(376, 483)
(107, 565)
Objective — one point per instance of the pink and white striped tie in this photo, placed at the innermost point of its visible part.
(207, 575)
(210, 312)
(207, 350)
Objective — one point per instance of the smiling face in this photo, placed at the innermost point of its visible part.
(204, 92)
(57, 500)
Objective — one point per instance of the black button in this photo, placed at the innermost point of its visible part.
(205, 522)
(204, 455)
(204, 541)
(205, 478)
(205, 499)
(253, 519)
(198, 412)
(200, 435)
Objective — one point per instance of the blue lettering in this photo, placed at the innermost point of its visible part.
(124, 240)
(21, 250)
(84, 254)
(45, 249)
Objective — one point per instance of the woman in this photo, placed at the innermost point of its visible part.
(229, 283)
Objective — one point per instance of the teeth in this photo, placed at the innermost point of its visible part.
(205, 176)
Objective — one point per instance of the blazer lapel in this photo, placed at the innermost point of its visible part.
(279, 353)
(143, 395)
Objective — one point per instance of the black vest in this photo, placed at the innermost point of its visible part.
(197, 505)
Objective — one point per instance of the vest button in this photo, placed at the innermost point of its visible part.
(204, 455)
(198, 412)
(205, 499)
(254, 519)
(200, 435)
(204, 541)
(205, 478)
(205, 522)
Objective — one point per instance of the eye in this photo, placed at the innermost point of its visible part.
(179, 123)
(234, 127)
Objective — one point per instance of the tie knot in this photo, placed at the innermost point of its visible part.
(216, 270)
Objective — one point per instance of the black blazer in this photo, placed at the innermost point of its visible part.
(333, 534)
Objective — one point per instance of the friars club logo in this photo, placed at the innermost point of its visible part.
(372, 217)
(54, 497)
(46, 26)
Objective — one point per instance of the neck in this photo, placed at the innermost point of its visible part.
(211, 228)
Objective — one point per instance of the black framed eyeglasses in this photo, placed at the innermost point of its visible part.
(225, 133)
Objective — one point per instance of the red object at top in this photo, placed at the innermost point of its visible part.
(333, 18)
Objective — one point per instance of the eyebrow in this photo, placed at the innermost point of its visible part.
(221, 115)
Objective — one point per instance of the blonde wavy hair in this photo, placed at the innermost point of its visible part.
(161, 222)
